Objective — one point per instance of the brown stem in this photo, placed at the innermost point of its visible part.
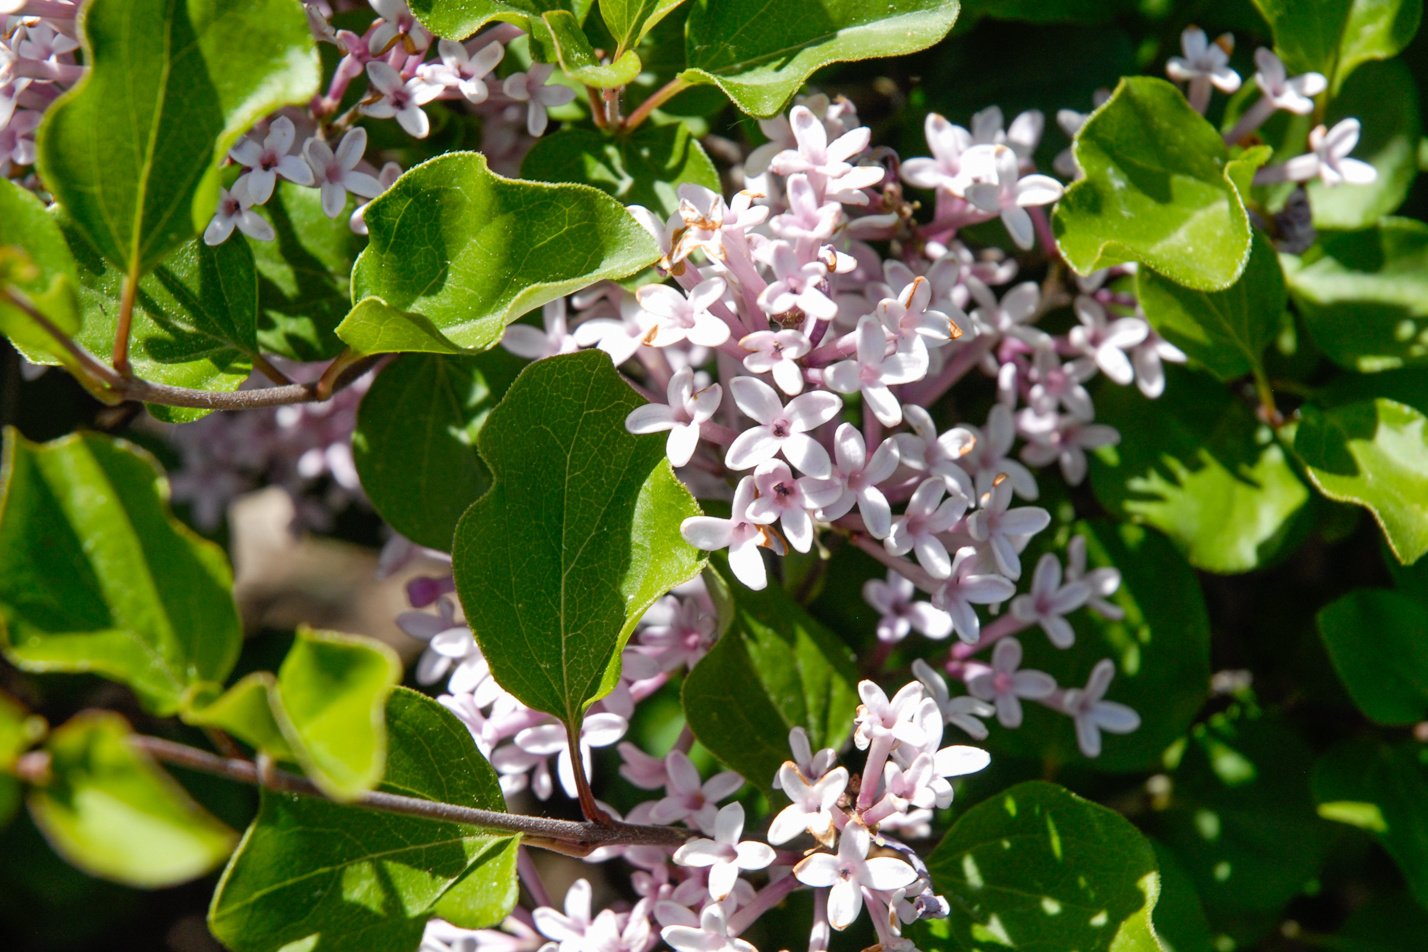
(562, 835)
(266, 368)
(588, 807)
(657, 98)
(102, 376)
(126, 322)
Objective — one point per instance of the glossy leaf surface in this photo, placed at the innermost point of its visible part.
(1203, 471)
(1159, 189)
(577, 537)
(97, 575)
(761, 53)
(773, 669)
(458, 252)
(1037, 867)
(1372, 453)
(110, 811)
(337, 877)
(1227, 330)
(132, 152)
(1364, 295)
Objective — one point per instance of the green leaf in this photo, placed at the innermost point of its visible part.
(1241, 819)
(304, 275)
(458, 19)
(36, 261)
(19, 730)
(645, 168)
(246, 711)
(132, 152)
(1161, 649)
(1367, 628)
(333, 692)
(1384, 98)
(1050, 11)
(1037, 867)
(458, 252)
(630, 21)
(194, 321)
(97, 575)
(415, 442)
(110, 811)
(1383, 790)
(339, 877)
(1196, 465)
(578, 535)
(1225, 330)
(1371, 453)
(1160, 189)
(558, 36)
(761, 53)
(1179, 918)
(773, 669)
(1388, 922)
(1334, 36)
(1364, 295)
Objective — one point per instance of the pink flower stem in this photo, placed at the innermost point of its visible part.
(768, 897)
(1008, 624)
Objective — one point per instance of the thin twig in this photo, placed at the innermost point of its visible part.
(539, 831)
(656, 99)
(126, 321)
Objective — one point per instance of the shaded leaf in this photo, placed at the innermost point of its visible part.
(761, 53)
(1159, 188)
(577, 537)
(341, 877)
(773, 669)
(645, 168)
(1364, 295)
(97, 575)
(1372, 453)
(1375, 639)
(415, 442)
(1203, 471)
(110, 811)
(1241, 819)
(1332, 37)
(1227, 330)
(132, 151)
(304, 275)
(19, 730)
(630, 21)
(194, 321)
(1038, 867)
(458, 252)
(558, 36)
(1382, 790)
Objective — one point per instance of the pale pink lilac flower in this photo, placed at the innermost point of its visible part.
(826, 163)
(848, 872)
(1004, 684)
(927, 451)
(684, 416)
(711, 934)
(690, 800)
(1049, 601)
(397, 26)
(1102, 582)
(1093, 714)
(928, 514)
(901, 612)
(235, 210)
(943, 170)
(679, 317)
(781, 429)
(813, 802)
(777, 353)
(996, 186)
(525, 340)
(1063, 439)
(268, 159)
(530, 87)
(968, 585)
(462, 70)
(336, 172)
(855, 479)
(399, 99)
(1005, 531)
(1328, 159)
(739, 534)
(1107, 341)
(725, 854)
(797, 284)
(963, 712)
(1204, 64)
(781, 498)
(874, 371)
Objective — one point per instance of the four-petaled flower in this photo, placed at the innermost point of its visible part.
(336, 172)
(1093, 715)
(725, 855)
(874, 371)
(399, 98)
(1005, 686)
(781, 429)
(998, 187)
(739, 534)
(270, 158)
(530, 88)
(684, 416)
(849, 871)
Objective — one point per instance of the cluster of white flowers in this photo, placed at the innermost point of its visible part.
(38, 42)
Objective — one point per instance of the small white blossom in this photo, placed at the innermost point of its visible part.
(901, 611)
(851, 870)
(463, 70)
(777, 353)
(235, 211)
(530, 88)
(336, 172)
(739, 534)
(1093, 715)
(399, 98)
(725, 855)
(781, 429)
(970, 585)
(684, 416)
(855, 479)
(813, 803)
(781, 498)
(1005, 686)
(927, 515)
(268, 159)
(997, 187)
(1004, 530)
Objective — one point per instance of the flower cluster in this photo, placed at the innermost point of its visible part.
(37, 64)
